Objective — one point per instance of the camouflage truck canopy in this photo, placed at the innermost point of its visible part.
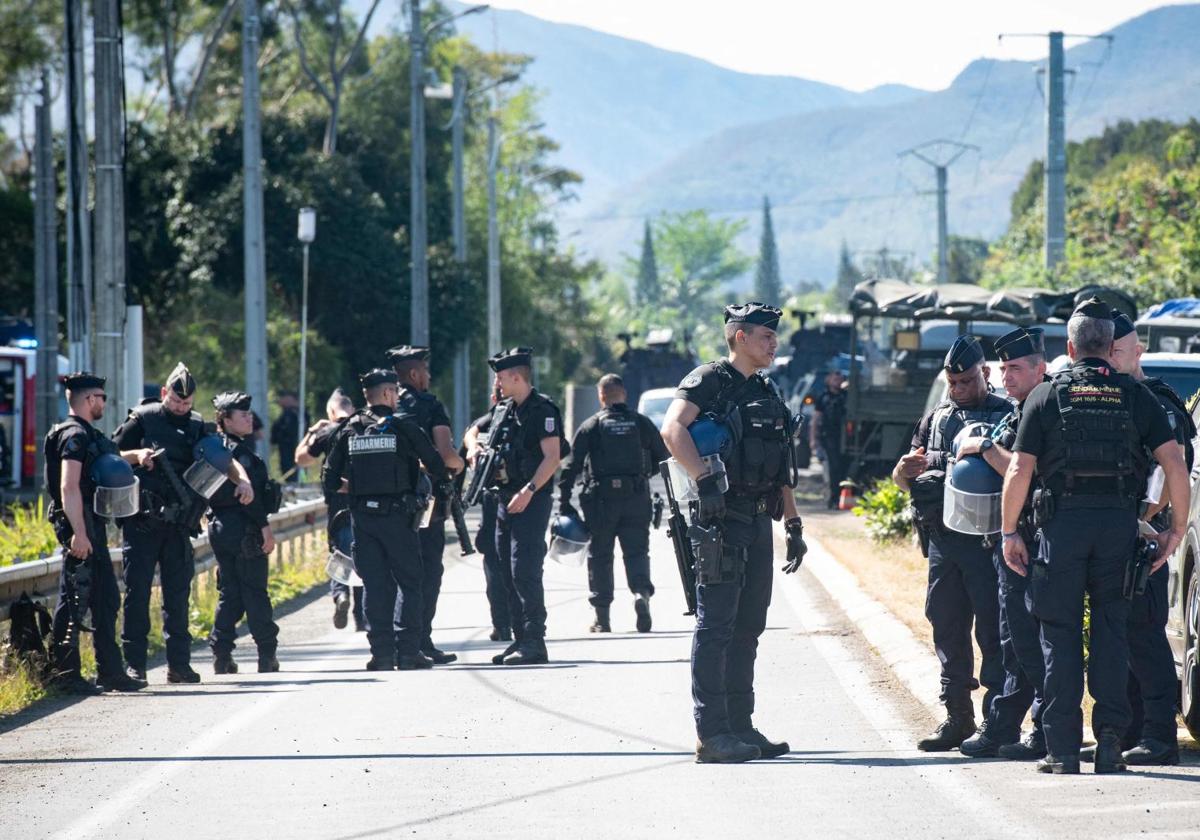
(961, 301)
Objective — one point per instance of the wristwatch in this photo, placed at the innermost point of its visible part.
(531, 487)
(986, 444)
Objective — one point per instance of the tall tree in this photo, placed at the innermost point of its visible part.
(768, 287)
(848, 276)
(649, 292)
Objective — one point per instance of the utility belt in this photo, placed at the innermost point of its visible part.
(615, 486)
(1048, 501)
(409, 505)
(750, 505)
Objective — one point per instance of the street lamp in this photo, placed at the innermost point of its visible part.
(306, 232)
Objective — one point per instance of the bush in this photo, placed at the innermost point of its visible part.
(26, 534)
(885, 507)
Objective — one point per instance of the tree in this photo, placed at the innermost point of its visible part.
(768, 287)
(649, 292)
(967, 256)
(848, 277)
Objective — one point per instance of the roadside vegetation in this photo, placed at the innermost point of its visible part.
(25, 533)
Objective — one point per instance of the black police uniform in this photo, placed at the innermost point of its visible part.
(378, 453)
(77, 440)
(731, 605)
(1089, 430)
(962, 585)
(485, 543)
(160, 535)
(831, 405)
(335, 502)
(235, 534)
(616, 450)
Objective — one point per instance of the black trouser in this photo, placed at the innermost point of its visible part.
(493, 574)
(104, 601)
(343, 540)
(1021, 650)
(1083, 551)
(150, 543)
(242, 572)
(835, 469)
(433, 547)
(729, 619)
(387, 556)
(1153, 685)
(625, 518)
(962, 589)
(521, 546)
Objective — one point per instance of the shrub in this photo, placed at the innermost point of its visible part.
(885, 507)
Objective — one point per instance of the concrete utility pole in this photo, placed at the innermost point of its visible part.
(458, 222)
(941, 167)
(419, 315)
(1056, 156)
(45, 306)
(79, 239)
(110, 208)
(252, 197)
(493, 252)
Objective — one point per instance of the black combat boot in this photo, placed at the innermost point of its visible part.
(185, 675)
(958, 726)
(1108, 752)
(119, 682)
(223, 664)
(1031, 748)
(380, 663)
(438, 657)
(766, 747)
(1067, 765)
(1151, 751)
(413, 662)
(499, 658)
(341, 610)
(74, 683)
(528, 652)
(980, 745)
(725, 749)
(135, 673)
(641, 606)
(601, 624)
(501, 634)
(268, 663)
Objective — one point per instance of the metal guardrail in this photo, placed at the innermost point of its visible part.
(294, 525)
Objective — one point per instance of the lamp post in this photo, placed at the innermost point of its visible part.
(306, 232)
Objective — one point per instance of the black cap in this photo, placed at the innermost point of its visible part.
(408, 353)
(378, 376)
(511, 358)
(82, 380)
(1093, 307)
(227, 401)
(1122, 326)
(758, 314)
(1023, 341)
(964, 353)
(181, 381)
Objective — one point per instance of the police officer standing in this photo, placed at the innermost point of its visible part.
(962, 579)
(1023, 367)
(1086, 434)
(316, 444)
(412, 368)
(616, 450)
(485, 537)
(241, 539)
(1152, 738)
(524, 502)
(74, 453)
(731, 531)
(160, 535)
(376, 459)
(825, 434)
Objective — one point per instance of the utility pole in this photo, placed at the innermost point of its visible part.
(419, 315)
(252, 198)
(941, 168)
(1056, 157)
(79, 239)
(458, 222)
(493, 252)
(45, 406)
(110, 208)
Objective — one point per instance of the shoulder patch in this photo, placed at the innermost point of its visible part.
(550, 424)
(690, 381)
(74, 444)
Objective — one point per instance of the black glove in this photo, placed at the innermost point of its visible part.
(796, 549)
(712, 500)
(565, 508)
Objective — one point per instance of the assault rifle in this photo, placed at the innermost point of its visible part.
(189, 506)
(490, 459)
(677, 528)
(459, 515)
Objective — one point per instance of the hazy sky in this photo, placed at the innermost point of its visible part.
(853, 43)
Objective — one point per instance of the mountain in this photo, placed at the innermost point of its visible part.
(834, 173)
(621, 108)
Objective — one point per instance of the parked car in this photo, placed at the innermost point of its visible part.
(654, 404)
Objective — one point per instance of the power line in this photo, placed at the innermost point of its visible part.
(978, 99)
(747, 211)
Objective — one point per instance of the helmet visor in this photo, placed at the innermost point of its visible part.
(567, 552)
(971, 513)
(117, 502)
(204, 478)
(340, 567)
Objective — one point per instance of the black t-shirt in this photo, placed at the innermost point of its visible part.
(1040, 415)
(68, 441)
(425, 408)
(704, 384)
(537, 419)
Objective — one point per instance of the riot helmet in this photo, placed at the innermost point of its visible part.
(569, 539)
(212, 462)
(117, 487)
(340, 565)
(971, 501)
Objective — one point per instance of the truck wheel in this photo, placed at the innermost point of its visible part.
(1190, 678)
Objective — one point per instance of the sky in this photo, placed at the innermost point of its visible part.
(856, 44)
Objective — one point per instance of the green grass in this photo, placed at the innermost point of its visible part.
(26, 534)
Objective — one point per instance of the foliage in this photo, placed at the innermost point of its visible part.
(26, 534)
(647, 289)
(848, 276)
(885, 508)
(768, 286)
(966, 257)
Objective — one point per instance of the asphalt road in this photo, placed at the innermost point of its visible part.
(597, 744)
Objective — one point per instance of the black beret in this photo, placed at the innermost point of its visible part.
(964, 353)
(227, 401)
(408, 353)
(377, 377)
(1023, 341)
(1093, 307)
(82, 380)
(511, 358)
(758, 314)
(181, 381)
(1122, 326)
